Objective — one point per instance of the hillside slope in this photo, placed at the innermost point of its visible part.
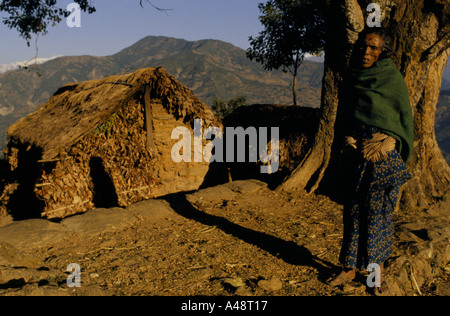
(442, 124)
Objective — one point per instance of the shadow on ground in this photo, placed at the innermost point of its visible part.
(288, 251)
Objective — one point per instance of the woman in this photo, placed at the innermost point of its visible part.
(381, 139)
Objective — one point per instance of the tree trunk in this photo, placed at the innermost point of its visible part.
(294, 88)
(421, 33)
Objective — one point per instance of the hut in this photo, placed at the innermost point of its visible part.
(105, 143)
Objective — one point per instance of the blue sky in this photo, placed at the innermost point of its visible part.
(120, 23)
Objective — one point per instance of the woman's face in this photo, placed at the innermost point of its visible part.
(370, 49)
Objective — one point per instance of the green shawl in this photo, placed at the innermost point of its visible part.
(381, 99)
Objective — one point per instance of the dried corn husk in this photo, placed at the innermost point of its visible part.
(377, 148)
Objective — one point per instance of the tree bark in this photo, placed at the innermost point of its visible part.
(294, 88)
(421, 32)
(296, 65)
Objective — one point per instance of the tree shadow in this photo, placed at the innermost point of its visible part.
(288, 251)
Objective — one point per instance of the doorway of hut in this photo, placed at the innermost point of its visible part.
(105, 195)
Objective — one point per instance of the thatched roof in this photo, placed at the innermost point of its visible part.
(77, 109)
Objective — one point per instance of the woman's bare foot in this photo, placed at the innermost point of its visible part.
(342, 278)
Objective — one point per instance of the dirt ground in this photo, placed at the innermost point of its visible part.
(237, 239)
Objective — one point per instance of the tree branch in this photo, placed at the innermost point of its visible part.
(354, 19)
(157, 8)
(439, 47)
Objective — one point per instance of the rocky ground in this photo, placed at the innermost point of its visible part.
(234, 239)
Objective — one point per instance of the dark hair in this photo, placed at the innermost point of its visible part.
(386, 50)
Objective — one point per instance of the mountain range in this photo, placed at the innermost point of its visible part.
(21, 64)
(210, 68)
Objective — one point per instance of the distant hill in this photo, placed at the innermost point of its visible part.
(210, 68)
(446, 78)
(442, 124)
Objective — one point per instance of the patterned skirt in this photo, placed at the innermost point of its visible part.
(368, 213)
